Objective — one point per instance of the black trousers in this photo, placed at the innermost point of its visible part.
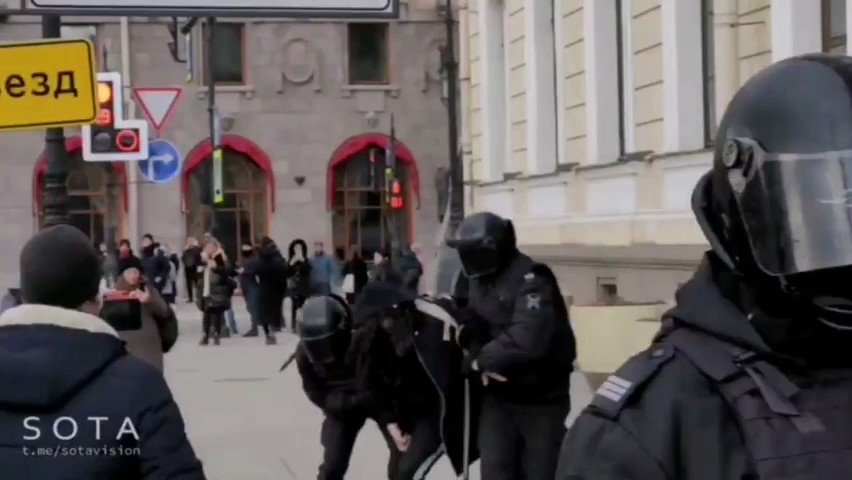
(296, 302)
(191, 277)
(338, 439)
(212, 322)
(520, 442)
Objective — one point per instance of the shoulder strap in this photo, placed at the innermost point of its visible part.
(736, 371)
(613, 394)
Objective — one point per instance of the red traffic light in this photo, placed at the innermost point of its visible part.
(396, 187)
(127, 141)
(397, 203)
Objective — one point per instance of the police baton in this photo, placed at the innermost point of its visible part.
(287, 362)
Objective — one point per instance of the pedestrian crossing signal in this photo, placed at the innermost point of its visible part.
(396, 197)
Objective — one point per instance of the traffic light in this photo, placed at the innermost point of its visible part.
(397, 201)
(111, 137)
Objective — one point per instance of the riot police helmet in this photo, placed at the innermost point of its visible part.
(325, 328)
(485, 243)
(777, 204)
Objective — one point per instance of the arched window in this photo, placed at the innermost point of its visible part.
(95, 200)
(242, 217)
(361, 213)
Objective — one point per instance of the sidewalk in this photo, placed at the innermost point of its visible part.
(249, 422)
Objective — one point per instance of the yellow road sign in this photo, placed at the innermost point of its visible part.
(47, 84)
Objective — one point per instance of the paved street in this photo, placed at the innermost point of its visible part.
(248, 422)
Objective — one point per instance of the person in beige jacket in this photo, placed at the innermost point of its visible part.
(159, 325)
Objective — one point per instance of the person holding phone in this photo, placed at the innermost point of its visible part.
(216, 288)
(158, 330)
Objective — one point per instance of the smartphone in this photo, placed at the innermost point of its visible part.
(122, 312)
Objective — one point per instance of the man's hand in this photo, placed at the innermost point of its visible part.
(401, 440)
(487, 377)
(144, 296)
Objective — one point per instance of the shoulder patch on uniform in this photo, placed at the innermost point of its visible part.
(533, 301)
(529, 277)
(613, 394)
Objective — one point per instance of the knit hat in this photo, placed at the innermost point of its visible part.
(59, 267)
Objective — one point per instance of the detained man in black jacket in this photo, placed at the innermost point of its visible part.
(750, 376)
(331, 382)
(74, 404)
(520, 344)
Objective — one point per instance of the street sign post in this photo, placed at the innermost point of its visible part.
(47, 84)
(164, 164)
(222, 8)
(112, 138)
(158, 105)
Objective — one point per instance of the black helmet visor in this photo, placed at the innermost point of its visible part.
(796, 208)
(320, 351)
(478, 261)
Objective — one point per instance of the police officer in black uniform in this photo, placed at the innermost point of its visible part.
(332, 384)
(751, 374)
(520, 343)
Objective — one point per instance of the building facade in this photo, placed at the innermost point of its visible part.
(588, 122)
(306, 111)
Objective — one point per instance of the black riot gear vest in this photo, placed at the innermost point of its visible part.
(325, 329)
(485, 243)
(794, 427)
(495, 302)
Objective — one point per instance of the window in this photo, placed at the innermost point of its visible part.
(834, 26)
(228, 54)
(607, 291)
(361, 213)
(624, 48)
(708, 52)
(368, 53)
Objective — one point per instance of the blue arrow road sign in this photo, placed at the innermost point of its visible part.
(164, 162)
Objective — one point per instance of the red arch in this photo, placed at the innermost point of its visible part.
(235, 143)
(363, 143)
(73, 146)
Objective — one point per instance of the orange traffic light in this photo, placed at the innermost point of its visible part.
(105, 93)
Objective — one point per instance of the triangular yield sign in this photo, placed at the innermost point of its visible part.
(157, 104)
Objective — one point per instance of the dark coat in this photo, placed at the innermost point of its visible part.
(222, 286)
(357, 267)
(521, 322)
(64, 363)
(156, 267)
(440, 359)
(299, 270)
(337, 390)
(191, 257)
(270, 269)
(673, 422)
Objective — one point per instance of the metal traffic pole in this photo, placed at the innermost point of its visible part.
(215, 134)
(451, 69)
(55, 205)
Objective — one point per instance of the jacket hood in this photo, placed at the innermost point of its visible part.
(50, 353)
(703, 305)
(291, 250)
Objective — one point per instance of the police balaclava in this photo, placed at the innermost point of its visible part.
(776, 207)
(486, 244)
(59, 267)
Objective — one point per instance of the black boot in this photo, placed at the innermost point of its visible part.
(216, 339)
(271, 340)
(204, 340)
(251, 333)
(226, 333)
